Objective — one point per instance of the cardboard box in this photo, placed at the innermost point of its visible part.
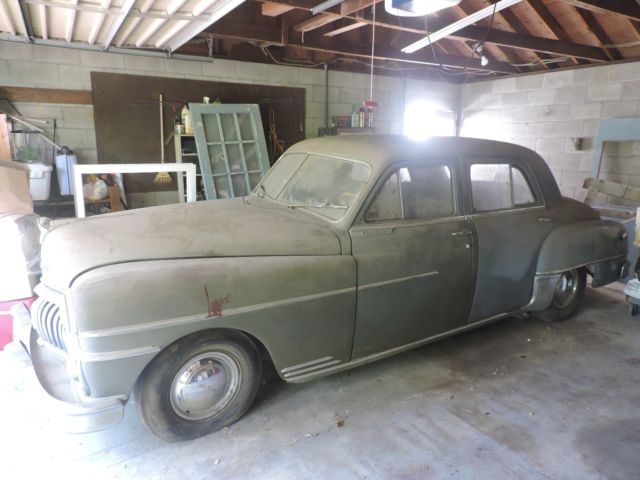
(14, 188)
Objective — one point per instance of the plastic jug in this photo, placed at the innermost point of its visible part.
(65, 160)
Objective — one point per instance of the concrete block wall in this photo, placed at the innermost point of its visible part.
(546, 111)
(52, 67)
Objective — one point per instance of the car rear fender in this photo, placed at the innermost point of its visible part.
(600, 245)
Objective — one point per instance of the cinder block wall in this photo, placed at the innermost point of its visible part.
(546, 111)
(51, 67)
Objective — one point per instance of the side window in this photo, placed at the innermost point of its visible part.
(387, 205)
(522, 194)
(414, 193)
(426, 192)
(490, 187)
(499, 186)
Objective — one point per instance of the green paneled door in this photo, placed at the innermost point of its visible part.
(232, 150)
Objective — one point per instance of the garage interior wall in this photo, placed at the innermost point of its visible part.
(545, 112)
(26, 65)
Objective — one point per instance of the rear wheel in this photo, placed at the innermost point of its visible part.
(567, 296)
(199, 384)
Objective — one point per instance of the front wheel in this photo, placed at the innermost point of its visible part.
(199, 384)
(567, 296)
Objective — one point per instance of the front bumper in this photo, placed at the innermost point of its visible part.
(73, 412)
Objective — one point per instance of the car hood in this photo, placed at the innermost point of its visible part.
(218, 228)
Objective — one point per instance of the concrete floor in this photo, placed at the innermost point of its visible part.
(514, 400)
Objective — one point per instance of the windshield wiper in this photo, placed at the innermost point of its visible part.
(316, 205)
(262, 192)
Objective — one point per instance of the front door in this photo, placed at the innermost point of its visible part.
(413, 251)
(511, 223)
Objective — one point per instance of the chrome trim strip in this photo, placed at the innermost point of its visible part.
(505, 211)
(172, 322)
(397, 280)
(115, 354)
(311, 369)
(306, 364)
(89, 357)
(395, 350)
(592, 262)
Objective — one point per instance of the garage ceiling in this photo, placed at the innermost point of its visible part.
(532, 35)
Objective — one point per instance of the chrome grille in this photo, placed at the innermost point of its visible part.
(47, 321)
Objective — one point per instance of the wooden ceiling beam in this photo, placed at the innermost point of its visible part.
(474, 33)
(626, 8)
(273, 9)
(512, 19)
(316, 21)
(347, 26)
(316, 41)
(603, 37)
(550, 21)
(352, 6)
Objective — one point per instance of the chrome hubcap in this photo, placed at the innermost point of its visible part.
(205, 385)
(566, 289)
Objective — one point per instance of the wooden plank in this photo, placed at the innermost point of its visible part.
(344, 29)
(352, 6)
(626, 8)
(47, 95)
(317, 21)
(551, 22)
(272, 9)
(614, 189)
(5, 145)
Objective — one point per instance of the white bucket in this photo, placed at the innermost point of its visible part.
(64, 169)
(39, 180)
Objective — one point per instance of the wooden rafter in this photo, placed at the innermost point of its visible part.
(550, 21)
(564, 47)
(594, 26)
(317, 42)
(626, 8)
(512, 19)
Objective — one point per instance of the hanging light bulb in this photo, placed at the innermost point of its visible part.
(478, 48)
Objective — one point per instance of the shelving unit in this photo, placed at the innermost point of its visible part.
(186, 152)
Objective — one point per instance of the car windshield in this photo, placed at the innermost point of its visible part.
(325, 185)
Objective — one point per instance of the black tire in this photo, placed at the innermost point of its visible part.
(196, 369)
(566, 300)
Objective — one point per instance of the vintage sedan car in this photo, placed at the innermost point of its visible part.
(350, 249)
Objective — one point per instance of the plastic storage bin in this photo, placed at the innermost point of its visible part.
(39, 180)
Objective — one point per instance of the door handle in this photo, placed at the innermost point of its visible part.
(544, 219)
(461, 233)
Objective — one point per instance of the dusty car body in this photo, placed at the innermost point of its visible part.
(424, 241)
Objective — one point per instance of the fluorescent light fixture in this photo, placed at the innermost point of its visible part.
(325, 6)
(419, 8)
(459, 25)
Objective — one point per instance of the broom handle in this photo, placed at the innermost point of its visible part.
(161, 131)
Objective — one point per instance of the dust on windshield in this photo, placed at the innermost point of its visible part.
(325, 185)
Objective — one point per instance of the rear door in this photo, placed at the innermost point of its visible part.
(511, 222)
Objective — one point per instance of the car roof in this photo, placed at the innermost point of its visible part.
(379, 151)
